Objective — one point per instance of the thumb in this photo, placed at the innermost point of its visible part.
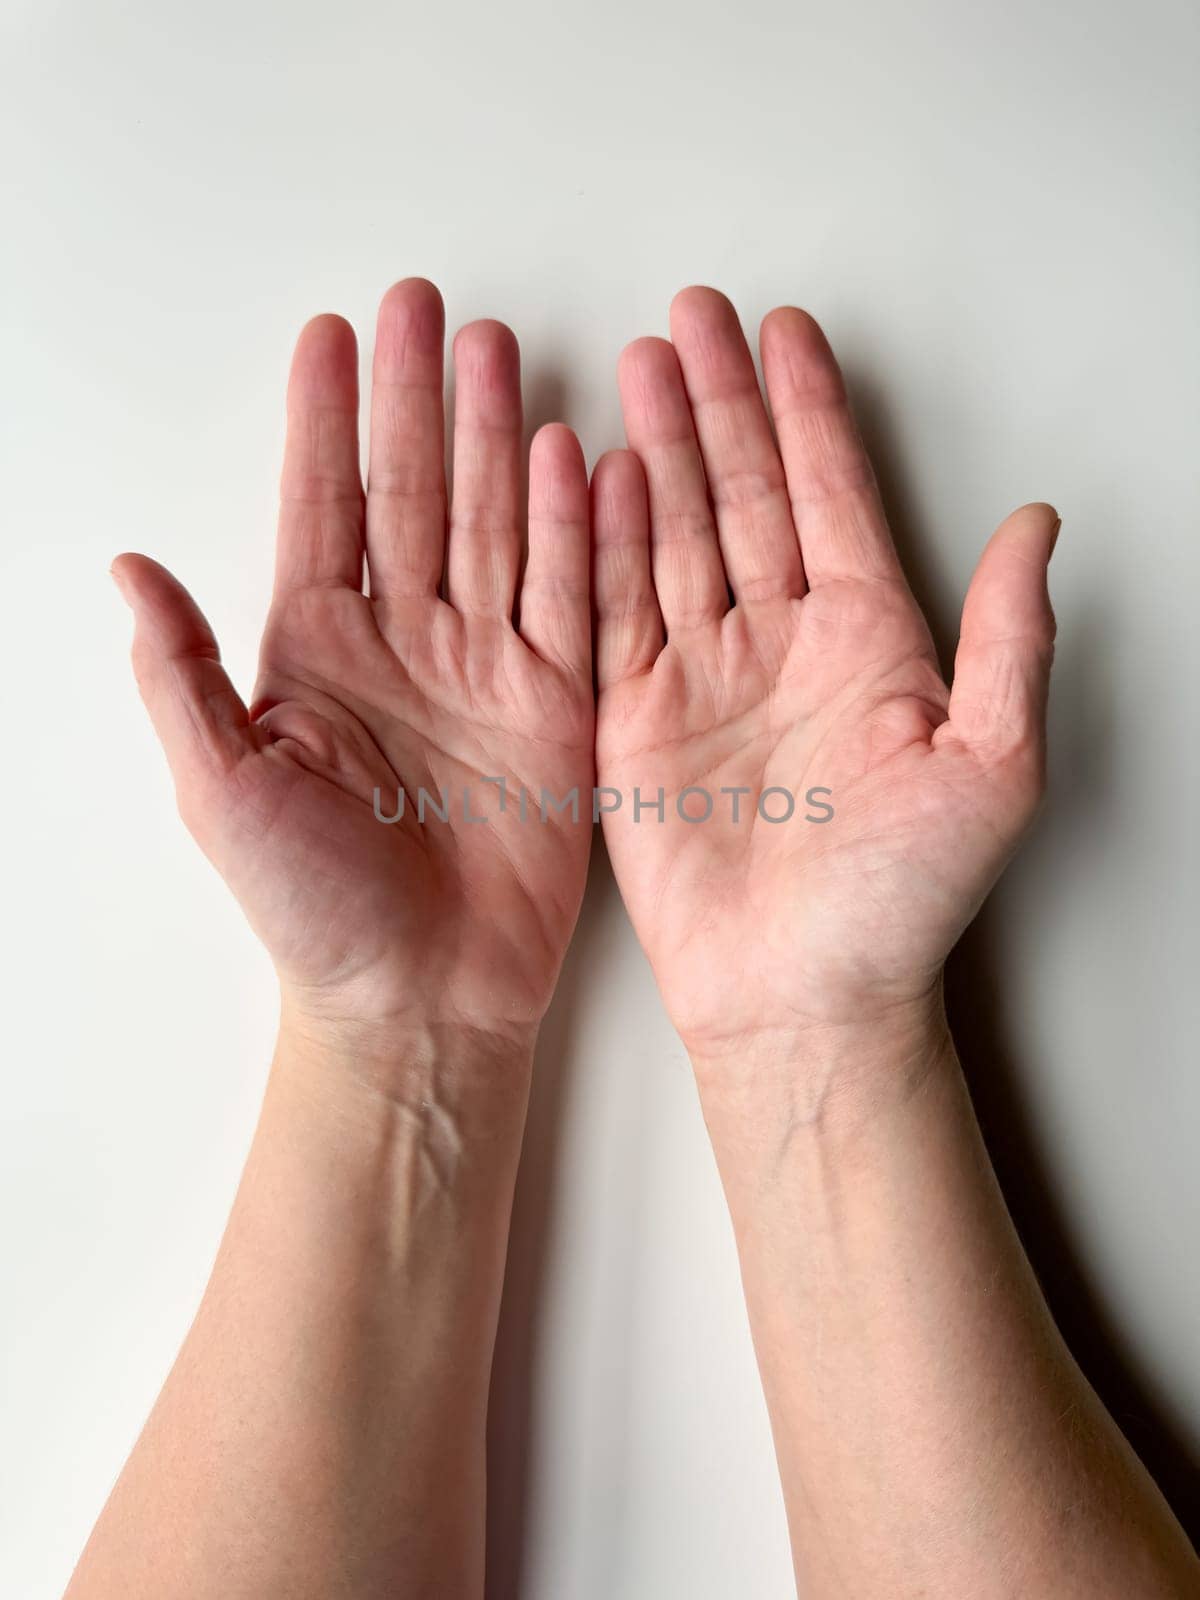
(199, 717)
(1006, 642)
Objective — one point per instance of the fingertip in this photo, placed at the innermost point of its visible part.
(1035, 526)
(618, 484)
(119, 581)
(554, 604)
(699, 304)
(617, 468)
(487, 365)
(792, 337)
(485, 340)
(557, 474)
(650, 383)
(1034, 512)
(133, 572)
(558, 444)
(645, 356)
(789, 322)
(1008, 597)
(629, 621)
(797, 359)
(411, 323)
(325, 363)
(715, 360)
(327, 330)
(616, 460)
(412, 294)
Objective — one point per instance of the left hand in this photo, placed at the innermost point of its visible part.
(820, 673)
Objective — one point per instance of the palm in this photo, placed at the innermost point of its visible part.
(448, 710)
(362, 699)
(833, 686)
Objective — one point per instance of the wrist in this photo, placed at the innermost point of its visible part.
(822, 1078)
(373, 1046)
(421, 1082)
(372, 1016)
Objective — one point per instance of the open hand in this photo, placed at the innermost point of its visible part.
(451, 921)
(756, 632)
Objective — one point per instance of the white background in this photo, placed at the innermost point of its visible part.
(992, 208)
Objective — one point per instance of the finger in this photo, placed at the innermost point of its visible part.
(406, 475)
(407, 468)
(199, 717)
(835, 505)
(741, 461)
(556, 618)
(629, 624)
(485, 510)
(689, 576)
(1006, 644)
(321, 498)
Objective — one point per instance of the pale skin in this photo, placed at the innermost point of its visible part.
(322, 1431)
(755, 629)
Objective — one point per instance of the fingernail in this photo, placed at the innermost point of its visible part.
(1054, 533)
(116, 578)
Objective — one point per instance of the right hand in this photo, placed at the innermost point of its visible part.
(450, 922)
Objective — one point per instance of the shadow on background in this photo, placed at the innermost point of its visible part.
(512, 1402)
(977, 1014)
(976, 1007)
(518, 1344)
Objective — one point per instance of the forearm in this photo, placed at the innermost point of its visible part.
(934, 1435)
(322, 1432)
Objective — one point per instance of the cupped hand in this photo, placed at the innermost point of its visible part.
(756, 633)
(423, 682)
